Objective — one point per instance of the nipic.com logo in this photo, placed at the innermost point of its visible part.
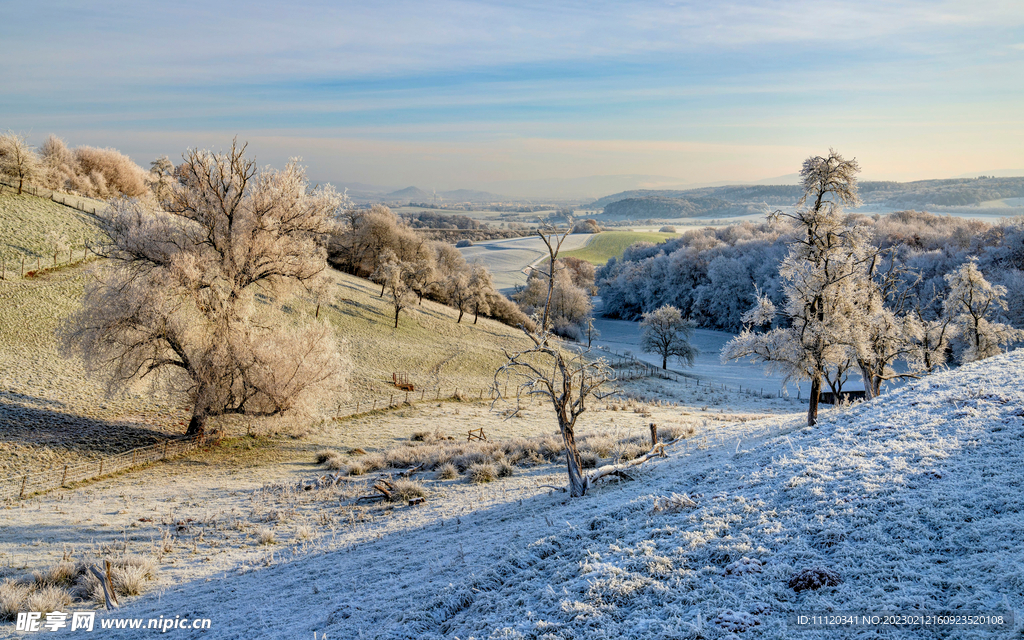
(86, 620)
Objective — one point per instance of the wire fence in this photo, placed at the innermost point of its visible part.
(85, 205)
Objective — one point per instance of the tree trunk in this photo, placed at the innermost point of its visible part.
(812, 407)
(460, 316)
(476, 313)
(577, 486)
(382, 289)
(397, 310)
(869, 383)
(664, 362)
(197, 425)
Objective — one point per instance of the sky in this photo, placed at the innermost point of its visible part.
(528, 98)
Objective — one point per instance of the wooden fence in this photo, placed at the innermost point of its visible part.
(24, 485)
(85, 205)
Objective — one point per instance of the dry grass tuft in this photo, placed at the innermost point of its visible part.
(447, 471)
(13, 596)
(324, 455)
(334, 464)
(62, 574)
(48, 599)
(482, 472)
(129, 580)
(505, 468)
(266, 536)
(407, 489)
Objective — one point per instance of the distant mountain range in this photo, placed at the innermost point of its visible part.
(732, 200)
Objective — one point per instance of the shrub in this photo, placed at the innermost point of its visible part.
(667, 229)
(482, 472)
(303, 533)
(356, 469)
(589, 459)
(463, 243)
(586, 226)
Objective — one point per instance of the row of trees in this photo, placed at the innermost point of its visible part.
(373, 243)
(847, 307)
(92, 172)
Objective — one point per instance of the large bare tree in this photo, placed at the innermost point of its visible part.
(194, 292)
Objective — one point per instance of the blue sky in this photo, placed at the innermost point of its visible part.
(504, 95)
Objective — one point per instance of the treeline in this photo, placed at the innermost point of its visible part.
(373, 243)
(88, 171)
(713, 275)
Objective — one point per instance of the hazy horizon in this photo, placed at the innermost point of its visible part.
(531, 100)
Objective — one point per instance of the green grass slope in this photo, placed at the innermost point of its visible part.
(611, 244)
(52, 412)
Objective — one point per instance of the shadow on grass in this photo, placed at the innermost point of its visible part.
(25, 424)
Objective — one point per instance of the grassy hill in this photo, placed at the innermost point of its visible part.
(53, 412)
(26, 220)
(611, 244)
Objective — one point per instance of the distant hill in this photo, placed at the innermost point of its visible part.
(412, 194)
(735, 199)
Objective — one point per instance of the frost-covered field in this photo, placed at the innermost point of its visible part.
(914, 501)
(507, 258)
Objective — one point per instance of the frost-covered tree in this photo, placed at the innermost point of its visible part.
(17, 159)
(195, 292)
(972, 306)
(394, 274)
(666, 333)
(481, 288)
(821, 277)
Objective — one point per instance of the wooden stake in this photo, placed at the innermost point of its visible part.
(23, 481)
(65, 476)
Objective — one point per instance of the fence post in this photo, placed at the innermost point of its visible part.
(391, 402)
(101, 467)
(165, 448)
(23, 481)
(64, 477)
(374, 404)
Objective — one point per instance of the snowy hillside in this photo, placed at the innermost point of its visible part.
(913, 501)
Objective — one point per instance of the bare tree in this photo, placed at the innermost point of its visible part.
(568, 380)
(666, 333)
(177, 298)
(17, 160)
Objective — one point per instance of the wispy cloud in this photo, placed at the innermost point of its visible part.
(412, 76)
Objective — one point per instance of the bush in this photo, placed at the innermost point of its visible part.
(586, 226)
(335, 463)
(324, 455)
(463, 243)
(129, 580)
(667, 229)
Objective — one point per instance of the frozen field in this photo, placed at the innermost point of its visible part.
(909, 503)
(507, 258)
(624, 335)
